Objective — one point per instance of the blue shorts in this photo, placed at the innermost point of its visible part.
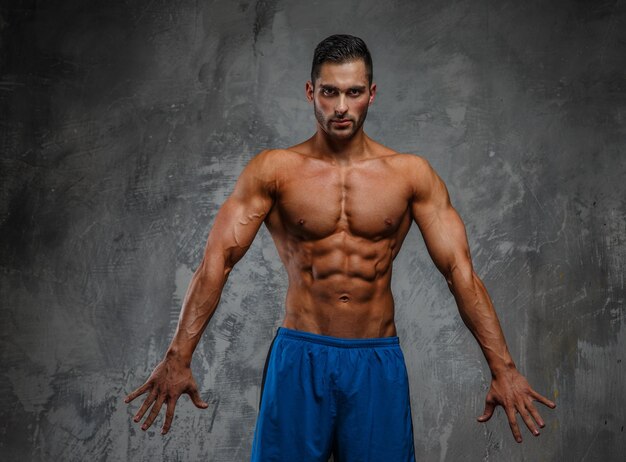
(326, 395)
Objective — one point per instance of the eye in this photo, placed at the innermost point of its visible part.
(354, 92)
(328, 91)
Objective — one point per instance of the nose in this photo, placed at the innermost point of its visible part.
(342, 106)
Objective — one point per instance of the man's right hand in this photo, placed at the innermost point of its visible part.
(168, 381)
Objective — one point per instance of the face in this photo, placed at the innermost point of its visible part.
(341, 96)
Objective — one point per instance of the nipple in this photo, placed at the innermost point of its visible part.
(388, 222)
(301, 221)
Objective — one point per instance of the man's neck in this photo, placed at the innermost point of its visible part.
(342, 151)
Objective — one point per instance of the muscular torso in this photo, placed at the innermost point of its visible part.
(338, 227)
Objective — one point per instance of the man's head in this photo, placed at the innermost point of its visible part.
(339, 49)
(341, 87)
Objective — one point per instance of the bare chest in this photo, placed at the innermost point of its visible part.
(369, 201)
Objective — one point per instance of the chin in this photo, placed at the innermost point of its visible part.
(341, 134)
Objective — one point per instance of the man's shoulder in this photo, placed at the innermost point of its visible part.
(416, 171)
(266, 162)
(268, 155)
(411, 164)
(275, 157)
(270, 165)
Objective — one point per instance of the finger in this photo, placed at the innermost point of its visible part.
(488, 412)
(510, 413)
(523, 412)
(139, 391)
(543, 400)
(146, 404)
(169, 415)
(533, 412)
(196, 399)
(154, 412)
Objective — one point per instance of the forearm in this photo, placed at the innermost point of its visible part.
(201, 300)
(480, 317)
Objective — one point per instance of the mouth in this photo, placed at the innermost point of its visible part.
(341, 122)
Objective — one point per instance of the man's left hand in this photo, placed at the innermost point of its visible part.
(511, 390)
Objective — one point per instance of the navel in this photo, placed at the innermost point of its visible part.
(344, 299)
(388, 221)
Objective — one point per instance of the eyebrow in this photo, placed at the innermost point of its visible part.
(332, 87)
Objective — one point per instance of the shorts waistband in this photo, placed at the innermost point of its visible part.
(338, 341)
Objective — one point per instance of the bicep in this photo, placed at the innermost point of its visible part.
(242, 214)
(440, 224)
(446, 240)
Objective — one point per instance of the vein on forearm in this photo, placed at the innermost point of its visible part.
(200, 302)
(479, 316)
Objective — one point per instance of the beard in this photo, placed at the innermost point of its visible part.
(344, 133)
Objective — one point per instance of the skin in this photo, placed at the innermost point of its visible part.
(338, 207)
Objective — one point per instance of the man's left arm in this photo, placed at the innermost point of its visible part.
(446, 241)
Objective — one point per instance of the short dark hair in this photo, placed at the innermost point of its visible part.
(339, 49)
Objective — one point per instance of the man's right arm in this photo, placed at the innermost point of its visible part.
(234, 229)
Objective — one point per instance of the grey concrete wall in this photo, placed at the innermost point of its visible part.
(125, 124)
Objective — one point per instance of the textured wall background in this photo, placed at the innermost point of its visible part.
(125, 124)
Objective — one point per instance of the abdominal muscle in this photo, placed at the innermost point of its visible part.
(340, 290)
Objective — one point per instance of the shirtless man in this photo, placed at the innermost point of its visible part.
(338, 207)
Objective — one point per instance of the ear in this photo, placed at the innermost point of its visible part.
(372, 93)
(309, 90)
